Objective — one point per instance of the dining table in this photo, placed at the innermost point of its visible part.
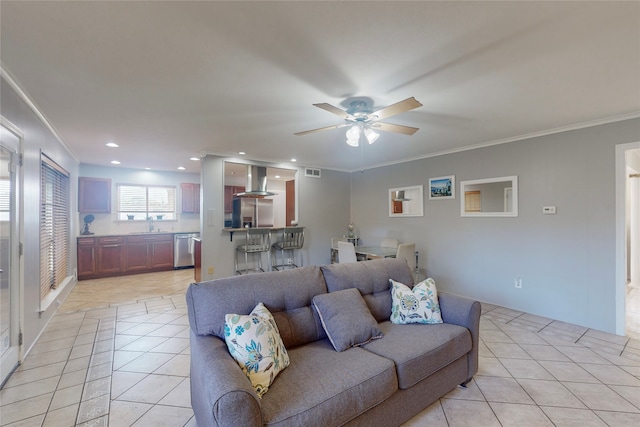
(373, 252)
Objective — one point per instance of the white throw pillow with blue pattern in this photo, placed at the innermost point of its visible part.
(417, 305)
(255, 343)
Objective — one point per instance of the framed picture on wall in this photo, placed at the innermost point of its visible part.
(443, 187)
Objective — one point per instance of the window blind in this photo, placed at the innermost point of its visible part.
(142, 201)
(5, 199)
(54, 225)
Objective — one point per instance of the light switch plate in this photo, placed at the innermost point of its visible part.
(549, 210)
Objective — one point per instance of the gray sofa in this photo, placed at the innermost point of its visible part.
(382, 383)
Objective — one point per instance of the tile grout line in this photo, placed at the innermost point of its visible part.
(581, 336)
(608, 386)
(53, 394)
(84, 386)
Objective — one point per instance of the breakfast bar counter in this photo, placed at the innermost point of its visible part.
(244, 230)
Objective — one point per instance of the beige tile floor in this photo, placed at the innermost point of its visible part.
(117, 354)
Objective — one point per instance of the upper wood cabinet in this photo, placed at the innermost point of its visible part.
(94, 195)
(190, 197)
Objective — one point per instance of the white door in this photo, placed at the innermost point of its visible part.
(9, 258)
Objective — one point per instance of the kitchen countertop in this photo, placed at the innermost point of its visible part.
(244, 230)
(137, 233)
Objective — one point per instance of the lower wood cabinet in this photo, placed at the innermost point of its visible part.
(110, 252)
(149, 252)
(87, 257)
(119, 255)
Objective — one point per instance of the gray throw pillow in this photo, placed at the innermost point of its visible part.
(346, 318)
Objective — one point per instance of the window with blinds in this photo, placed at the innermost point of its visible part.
(54, 225)
(141, 202)
(5, 198)
(472, 201)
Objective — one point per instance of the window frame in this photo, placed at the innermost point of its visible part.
(145, 210)
(54, 225)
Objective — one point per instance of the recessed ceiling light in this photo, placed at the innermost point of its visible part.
(115, 162)
(277, 176)
(112, 145)
(293, 160)
(181, 168)
(147, 169)
(195, 159)
(242, 153)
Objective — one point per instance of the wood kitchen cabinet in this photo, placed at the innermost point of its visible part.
(197, 254)
(86, 257)
(119, 255)
(149, 252)
(190, 197)
(94, 195)
(136, 256)
(110, 253)
(229, 191)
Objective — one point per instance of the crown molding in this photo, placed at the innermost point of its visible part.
(561, 129)
(5, 74)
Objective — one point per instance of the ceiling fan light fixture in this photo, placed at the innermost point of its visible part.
(371, 135)
(353, 135)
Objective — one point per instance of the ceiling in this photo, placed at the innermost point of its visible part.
(172, 80)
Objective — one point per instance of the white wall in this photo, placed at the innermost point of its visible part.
(566, 261)
(37, 138)
(105, 224)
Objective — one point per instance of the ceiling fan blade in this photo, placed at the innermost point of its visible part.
(388, 127)
(335, 110)
(397, 108)
(341, 125)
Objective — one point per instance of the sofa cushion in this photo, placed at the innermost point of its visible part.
(417, 305)
(371, 278)
(346, 319)
(286, 294)
(420, 350)
(254, 342)
(323, 387)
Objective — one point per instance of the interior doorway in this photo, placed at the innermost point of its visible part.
(632, 299)
(628, 240)
(10, 138)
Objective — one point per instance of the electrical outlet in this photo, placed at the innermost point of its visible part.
(289, 261)
(518, 282)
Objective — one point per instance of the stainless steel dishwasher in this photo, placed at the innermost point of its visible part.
(183, 253)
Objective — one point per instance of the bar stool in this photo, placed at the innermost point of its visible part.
(258, 241)
(291, 241)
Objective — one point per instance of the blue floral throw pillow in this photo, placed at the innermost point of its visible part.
(417, 305)
(254, 342)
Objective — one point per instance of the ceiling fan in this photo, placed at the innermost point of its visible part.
(363, 121)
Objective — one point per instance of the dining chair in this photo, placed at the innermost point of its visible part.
(407, 252)
(334, 248)
(389, 243)
(346, 252)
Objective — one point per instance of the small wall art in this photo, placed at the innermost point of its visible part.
(442, 188)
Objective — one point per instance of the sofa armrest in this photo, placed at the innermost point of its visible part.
(221, 394)
(463, 312)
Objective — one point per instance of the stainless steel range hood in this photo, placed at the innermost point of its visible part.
(256, 182)
(399, 197)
